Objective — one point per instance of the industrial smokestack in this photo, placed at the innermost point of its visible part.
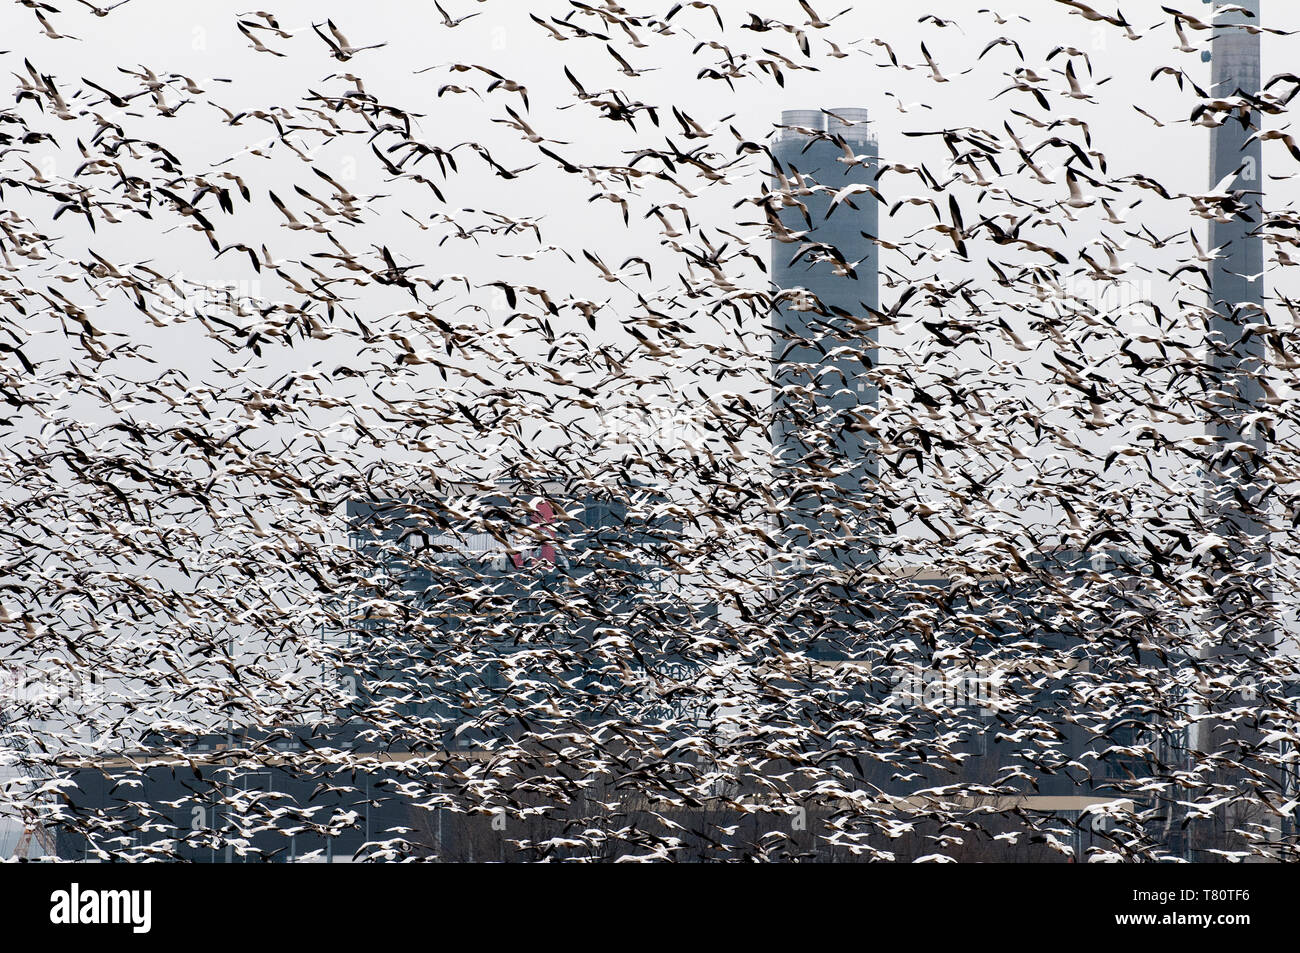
(1236, 357)
(1240, 626)
(824, 267)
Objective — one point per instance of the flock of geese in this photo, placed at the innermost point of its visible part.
(435, 414)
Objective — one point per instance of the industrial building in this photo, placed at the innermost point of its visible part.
(459, 590)
(531, 577)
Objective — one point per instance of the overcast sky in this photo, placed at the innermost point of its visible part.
(203, 42)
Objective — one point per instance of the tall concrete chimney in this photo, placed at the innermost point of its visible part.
(1235, 357)
(1239, 625)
